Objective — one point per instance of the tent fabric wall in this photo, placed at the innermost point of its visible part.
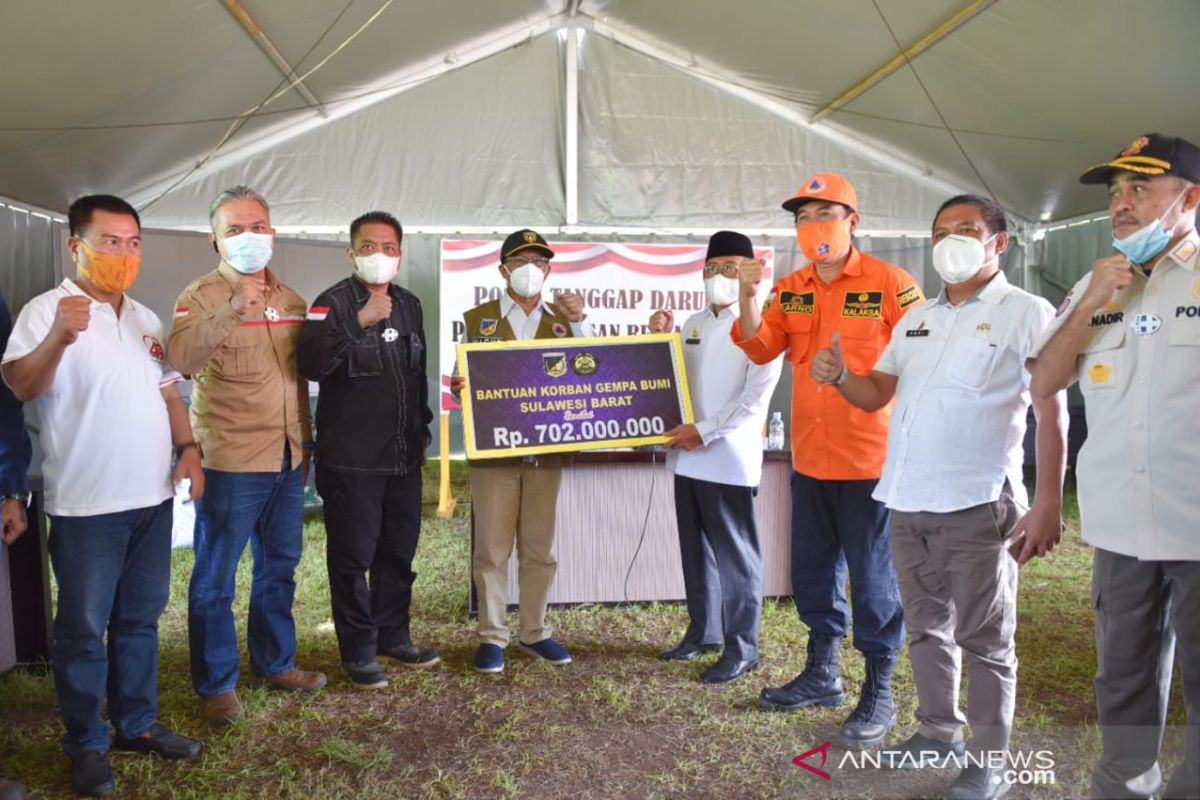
(29, 245)
(660, 147)
(479, 145)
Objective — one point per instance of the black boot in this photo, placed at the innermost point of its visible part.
(875, 714)
(818, 685)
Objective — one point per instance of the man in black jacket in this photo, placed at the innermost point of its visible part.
(364, 343)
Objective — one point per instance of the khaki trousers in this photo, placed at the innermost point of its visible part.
(514, 502)
(959, 588)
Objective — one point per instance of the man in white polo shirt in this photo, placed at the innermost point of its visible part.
(91, 360)
(1129, 332)
(717, 463)
(953, 481)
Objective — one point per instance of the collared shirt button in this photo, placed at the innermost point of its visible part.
(820, 389)
(817, 420)
(1142, 380)
(1139, 425)
(1141, 470)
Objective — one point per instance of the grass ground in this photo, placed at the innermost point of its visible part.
(617, 723)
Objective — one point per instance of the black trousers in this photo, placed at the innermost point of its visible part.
(722, 564)
(372, 523)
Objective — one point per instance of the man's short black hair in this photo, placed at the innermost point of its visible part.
(79, 215)
(990, 210)
(376, 217)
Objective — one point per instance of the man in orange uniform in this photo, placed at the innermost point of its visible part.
(837, 451)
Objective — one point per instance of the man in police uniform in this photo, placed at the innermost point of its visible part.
(717, 463)
(364, 342)
(514, 499)
(837, 452)
(1129, 332)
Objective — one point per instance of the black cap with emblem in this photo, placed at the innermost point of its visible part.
(729, 243)
(524, 239)
(1151, 154)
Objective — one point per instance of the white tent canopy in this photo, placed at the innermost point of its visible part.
(583, 114)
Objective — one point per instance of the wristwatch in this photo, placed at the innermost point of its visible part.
(842, 378)
(20, 497)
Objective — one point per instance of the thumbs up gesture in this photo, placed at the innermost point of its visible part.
(828, 363)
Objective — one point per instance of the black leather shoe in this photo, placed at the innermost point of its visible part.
(728, 669)
(92, 775)
(978, 783)
(410, 655)
(686, 651)
(161, 740)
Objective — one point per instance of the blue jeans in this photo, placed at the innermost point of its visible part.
(266, 508)
(837, 527)
(114, 573)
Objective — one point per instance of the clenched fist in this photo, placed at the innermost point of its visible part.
(1109, 275)
(662, 321)
(378, 307)
(571, 305)
(750, 274)
(72, 316)
(828, 363)
(249, 296)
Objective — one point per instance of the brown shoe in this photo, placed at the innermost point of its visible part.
(294, 680)
(221, 710)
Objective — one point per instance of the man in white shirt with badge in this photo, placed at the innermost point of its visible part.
(953, 481)
(91, 360)
(1129, 332)
(717, 463)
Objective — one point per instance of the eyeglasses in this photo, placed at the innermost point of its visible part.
(729, 270)
(518, 262)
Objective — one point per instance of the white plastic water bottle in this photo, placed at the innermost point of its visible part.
(775, 432)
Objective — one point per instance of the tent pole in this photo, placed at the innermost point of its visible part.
(239, 13)
(446, 501)
(924, 43)
(572, 126)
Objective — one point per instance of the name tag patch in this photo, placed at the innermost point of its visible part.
(863, 305)
(909, 296)
(797, 302)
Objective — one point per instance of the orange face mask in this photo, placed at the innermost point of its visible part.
(820, 240)
(109, 273)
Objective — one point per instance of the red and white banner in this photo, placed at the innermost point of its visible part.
(621, 286)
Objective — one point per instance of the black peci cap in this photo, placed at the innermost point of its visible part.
(524, 239)
(729, 243)
(1152, 154)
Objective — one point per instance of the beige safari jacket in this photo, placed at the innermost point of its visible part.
(247, 398)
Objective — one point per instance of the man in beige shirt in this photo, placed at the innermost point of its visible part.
(1129, 334)
(235, 334)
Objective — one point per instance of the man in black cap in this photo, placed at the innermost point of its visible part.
(364, 342)
(717, 463)
(1129, 332)
(514, 499)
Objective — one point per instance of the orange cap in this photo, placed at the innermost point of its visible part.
(823, 186)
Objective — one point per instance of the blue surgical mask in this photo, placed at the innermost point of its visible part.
(248, 252)
(1147, 241)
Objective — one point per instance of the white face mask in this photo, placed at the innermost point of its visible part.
(248, 252)
(721, 291)
(527, 280)
(957, 258)
(377, 268)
